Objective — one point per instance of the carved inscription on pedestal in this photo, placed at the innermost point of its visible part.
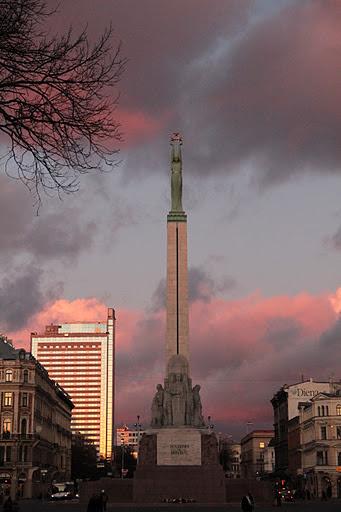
(178, 447)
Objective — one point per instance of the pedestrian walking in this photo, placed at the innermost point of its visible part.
(246, 503)
(278, 499)
(95, 504)
(104, 498)
(8, 505)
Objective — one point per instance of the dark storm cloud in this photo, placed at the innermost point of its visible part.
(335, 240)
(55, 235)
(244, 86)
(273, 98)
(201, 286)
(160, 39)
(22, 295)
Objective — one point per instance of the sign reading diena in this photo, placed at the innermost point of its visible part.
(178, 447)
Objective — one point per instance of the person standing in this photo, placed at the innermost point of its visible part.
(104, 498)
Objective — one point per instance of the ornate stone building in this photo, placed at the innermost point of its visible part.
(285, 405)
(320, 426)
(35, 418)
(256, 453)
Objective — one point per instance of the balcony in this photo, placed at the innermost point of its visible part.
(8, 436)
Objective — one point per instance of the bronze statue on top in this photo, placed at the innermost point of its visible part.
(176, 176)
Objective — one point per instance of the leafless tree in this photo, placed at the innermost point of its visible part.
(57, 99)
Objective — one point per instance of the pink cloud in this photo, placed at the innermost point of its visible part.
(138, 126)
(242, 351)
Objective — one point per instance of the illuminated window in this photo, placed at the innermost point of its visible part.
(8, 399)
(7, 425)
(338, 410)
(261, 444)
(8, 376)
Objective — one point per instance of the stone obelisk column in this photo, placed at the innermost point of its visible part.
(177, 455)
(177, 276)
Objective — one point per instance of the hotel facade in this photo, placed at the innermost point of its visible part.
(80, 357)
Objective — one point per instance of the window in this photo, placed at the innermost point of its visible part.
(25, 375)
(7, 425)
(8, 453)
(322, 410)
(339, 459)
(322, 458)
(327, 410)
(5, 454)
(338, 431)
(338, 410)
(261, 444)
(24, 426)
(23, 450)
(8, 399)
(24, 399)
(319, 410)
(323, 432)
(8, 376)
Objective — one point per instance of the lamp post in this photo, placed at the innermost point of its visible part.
(43, 473)
(138, 426)
(210, 425)
(122, 458)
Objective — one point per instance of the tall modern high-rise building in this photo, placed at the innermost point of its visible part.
(80, 356)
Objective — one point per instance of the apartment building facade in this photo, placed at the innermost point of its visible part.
(35, 418)
(286, 403)
(80, 356)
(320, 430)
(257, 453)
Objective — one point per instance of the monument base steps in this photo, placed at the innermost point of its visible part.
(154, 484)
(179, 463)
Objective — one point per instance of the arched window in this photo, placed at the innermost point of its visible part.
(24, 426)
(322, 410)
(338, 410)
(327, 410)
(25, 375)
(8, 376)
(339, 459)
(319, 410)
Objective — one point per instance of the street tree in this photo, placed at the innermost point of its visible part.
(57, 99)
(83, 457)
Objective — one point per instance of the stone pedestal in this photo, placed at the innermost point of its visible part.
(179, 462)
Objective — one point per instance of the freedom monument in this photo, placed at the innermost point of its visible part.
(178, 455)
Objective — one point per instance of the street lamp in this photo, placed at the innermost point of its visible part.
(138, 427)
(122, 458)
(210, 425)
(43, 473)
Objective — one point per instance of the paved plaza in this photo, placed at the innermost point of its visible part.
(305, 506)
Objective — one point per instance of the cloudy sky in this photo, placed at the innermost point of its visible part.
(255, 89)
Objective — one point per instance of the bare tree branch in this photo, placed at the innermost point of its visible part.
(57, 100)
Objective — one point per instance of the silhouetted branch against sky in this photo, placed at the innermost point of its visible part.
(57, 99)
